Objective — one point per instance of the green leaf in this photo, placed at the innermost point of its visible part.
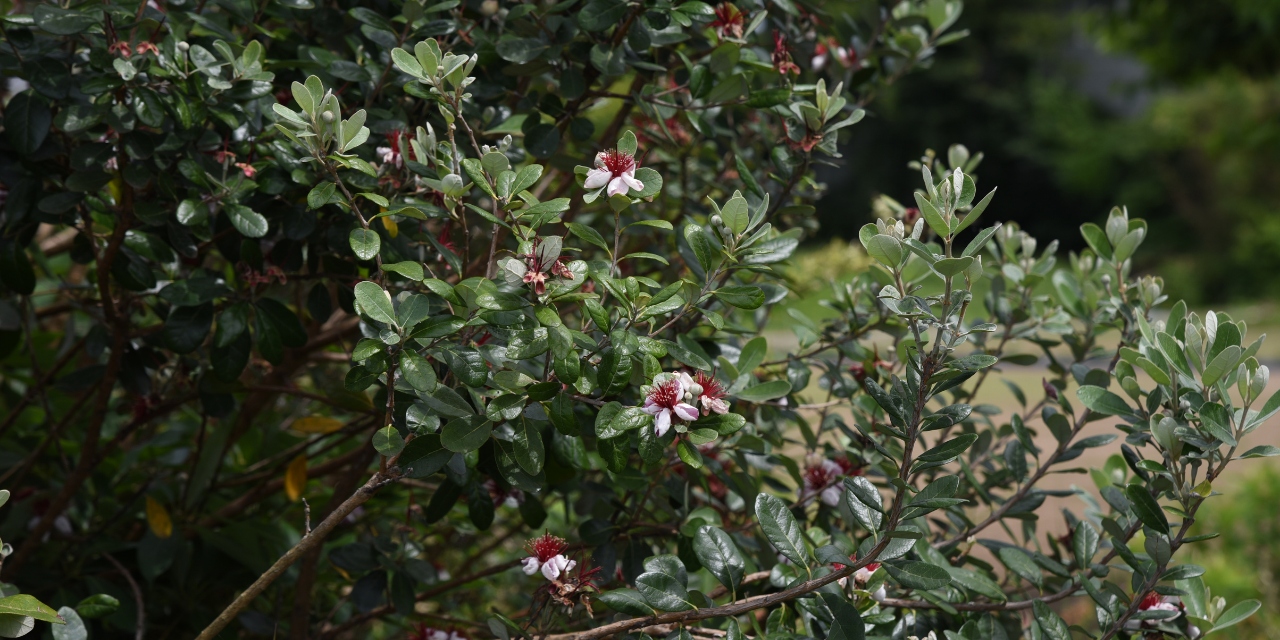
(1261, 451)
(446, 401)
(1146, 508)
(97, 606)
(1236, 614)
(1097, 239)
(701, 246)
(283, 321)
(1085, 544)
(409, 269)
(417, 371)
(977, 583)
(1021, 564)
(27, 117)
(949, 450)
(465, 434)
(247, 221)
(365, 243)
(948, 267)
(846, 621)
(187, 327)
(663, 592)
(1103, 401)
(743, 297)
(423, 456)
(375, 302)
(719, 556)
(628, 601)
(781, 528)
(73, 629)
(499, 301)
(886, 249)
(765, 391)
(735, 215)
(527, 445)
(686, 356)
(321, 194)
(918, 575)
(25, 605)
(1053, 627)
(387, 441)
(932, 216)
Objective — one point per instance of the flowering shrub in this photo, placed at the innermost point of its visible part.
(458, 275)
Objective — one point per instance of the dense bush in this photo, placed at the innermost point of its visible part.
(225, 302)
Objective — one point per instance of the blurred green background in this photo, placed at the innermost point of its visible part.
(1171, 107)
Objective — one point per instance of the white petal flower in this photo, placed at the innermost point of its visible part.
(663, 421)
(879, 594)
(597, 178)
(530, 565)
(553, 568)
(831, 495)
(687, 412)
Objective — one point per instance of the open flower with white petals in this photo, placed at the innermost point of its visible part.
(615, 169)
(666, 401)
(1156, 602)
(822, 478)
(546, 554)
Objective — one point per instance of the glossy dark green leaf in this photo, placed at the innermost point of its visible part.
(720, 556)
(663, 592)
(1146, 507)
(423, 456)
(27, 117)
(781, 528)
(186, 328)
(465, 434)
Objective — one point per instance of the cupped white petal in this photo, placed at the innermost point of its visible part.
(831, 496)
(687, 412)
(531, 565)
(618, 186)
(597, 178)
(663, 422)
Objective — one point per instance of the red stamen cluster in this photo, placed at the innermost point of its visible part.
(711, 386)
(545, 547)
(819, 476)
(617, 162)
(666, 394)
(729, 20)
(1152, 599)
(853, 559)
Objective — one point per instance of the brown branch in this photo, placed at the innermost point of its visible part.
(308, 542)
(137, 596)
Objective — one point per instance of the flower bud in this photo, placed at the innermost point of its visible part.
(489, 7)
(726, 232)
(695, 389)
(183, 46)
(717, 220)
(327, 117)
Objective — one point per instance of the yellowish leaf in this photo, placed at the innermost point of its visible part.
(158, 519)
(295, 478)
(317, 424)
(390, 225)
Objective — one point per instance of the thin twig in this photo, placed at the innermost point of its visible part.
(137, 596)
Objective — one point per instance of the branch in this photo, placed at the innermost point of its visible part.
(316, 537)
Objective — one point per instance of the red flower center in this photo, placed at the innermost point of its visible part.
(546, 547)
(819, 476)
(1152, 599)
(666, 394)
(617, 162)
(711, 387)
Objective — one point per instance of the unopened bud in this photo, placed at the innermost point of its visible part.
(489, 7)
(183, 46)
(717, 220)
(726, 232)
(327, 117)
(1106, 280)
(695, 390)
